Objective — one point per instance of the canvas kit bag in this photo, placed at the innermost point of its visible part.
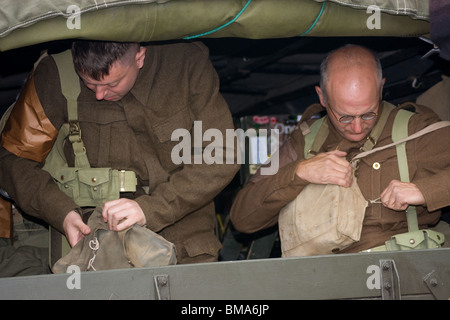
(325, 219)
(103, 249)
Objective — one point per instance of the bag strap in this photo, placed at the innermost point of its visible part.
(313, 137)
(399, 132)
(70, 88)
(375, 133)
(70, 84)
(432, 127)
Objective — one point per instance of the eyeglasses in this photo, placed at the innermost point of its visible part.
(348, 119)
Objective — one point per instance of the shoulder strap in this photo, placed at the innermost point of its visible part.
(399, 132)
(310, 137)
(70, 88)
(70, 83)
(374, 135)
(430, 128)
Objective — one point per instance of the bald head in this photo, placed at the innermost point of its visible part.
(350, 87)
(350, 60)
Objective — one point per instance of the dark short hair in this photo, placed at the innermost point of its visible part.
(94, 58)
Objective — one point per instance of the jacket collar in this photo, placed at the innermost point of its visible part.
(144, 81)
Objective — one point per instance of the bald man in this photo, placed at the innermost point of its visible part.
(351, 93)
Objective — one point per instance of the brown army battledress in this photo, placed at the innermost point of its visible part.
(259, 202)
(177, 86)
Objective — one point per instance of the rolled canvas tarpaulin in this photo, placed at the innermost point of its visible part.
(28, 22)
(414, 8)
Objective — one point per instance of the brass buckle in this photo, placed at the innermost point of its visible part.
(74, 131)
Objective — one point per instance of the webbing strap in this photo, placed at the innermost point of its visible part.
(432, 127)
(378, 128)
(399, 132)
(310, 138)
(70, 83)
(70, 88)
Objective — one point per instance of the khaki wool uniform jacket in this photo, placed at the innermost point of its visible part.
(257, 205)
(177, 86)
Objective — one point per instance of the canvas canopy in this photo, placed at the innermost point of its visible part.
(29, 22)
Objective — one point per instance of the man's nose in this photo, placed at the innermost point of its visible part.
(357, 125)
(100, 92)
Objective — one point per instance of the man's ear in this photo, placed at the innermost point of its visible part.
(383, 81)
(320, 94)
(140, 57)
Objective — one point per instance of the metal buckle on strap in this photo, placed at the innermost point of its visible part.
(370, 143)
(127, 181)
(74, 131)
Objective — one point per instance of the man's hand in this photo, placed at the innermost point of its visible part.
(399, 195)
(122, 213)
(327, 168)
(74, 228)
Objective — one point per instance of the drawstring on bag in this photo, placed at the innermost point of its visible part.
(94, 245)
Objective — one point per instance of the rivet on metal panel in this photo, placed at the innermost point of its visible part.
(390, 280)
(162, 286)
(436, 286)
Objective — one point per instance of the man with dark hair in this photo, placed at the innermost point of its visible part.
(95, 58)
(350, 91)
(131, 100)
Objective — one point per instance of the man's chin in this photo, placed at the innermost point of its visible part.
(112, 98)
